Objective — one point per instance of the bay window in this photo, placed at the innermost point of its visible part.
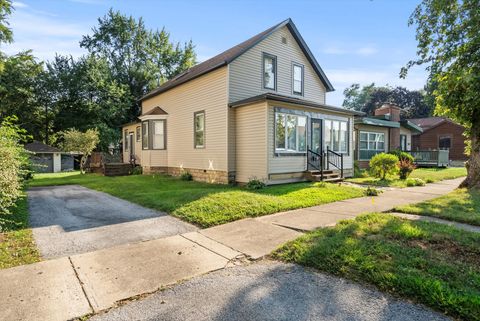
(336, 135)
(370, 144)
(269, 72)
(145, 135)
(290, 133)
(125, 140)
(158, 134)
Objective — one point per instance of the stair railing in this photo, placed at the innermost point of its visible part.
(335, 159)
(315, 162)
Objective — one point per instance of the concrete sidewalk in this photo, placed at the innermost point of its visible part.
(67, 288)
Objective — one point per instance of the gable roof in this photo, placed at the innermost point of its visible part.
(155, 111)
(39, 147)
(231, 54)
(428, 122)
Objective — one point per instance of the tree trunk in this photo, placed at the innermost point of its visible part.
(83, 160)
(473, 165)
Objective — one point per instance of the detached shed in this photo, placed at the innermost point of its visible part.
(48, 159)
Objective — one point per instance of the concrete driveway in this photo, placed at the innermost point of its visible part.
(72, 219)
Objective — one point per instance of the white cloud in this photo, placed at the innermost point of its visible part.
(366, 51)
(18, 4)
(45, 34)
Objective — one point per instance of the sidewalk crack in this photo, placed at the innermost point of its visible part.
(81, 285)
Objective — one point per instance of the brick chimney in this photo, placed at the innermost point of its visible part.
(393, 111)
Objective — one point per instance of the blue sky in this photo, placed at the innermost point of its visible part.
(355, 41)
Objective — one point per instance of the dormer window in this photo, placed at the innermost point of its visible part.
(297, 79)
(269, 72)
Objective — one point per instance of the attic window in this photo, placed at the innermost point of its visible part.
(284, 40)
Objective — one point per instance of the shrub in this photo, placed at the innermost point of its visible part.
(402, 155)
(371, 191)
(255, 184)
(14, 162)
(415, 182)
(405, 168)
(429, 180)
(137, 170)
(383, 164)
(186, 176)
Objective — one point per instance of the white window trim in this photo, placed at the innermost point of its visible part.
(297, 136)
(145, 133)
(164, 134)
(347, 135)
(368, 142)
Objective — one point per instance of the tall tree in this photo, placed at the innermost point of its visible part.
(19, 91)
(5, 32)
(448, 35)
(414, 103)
(139, 58)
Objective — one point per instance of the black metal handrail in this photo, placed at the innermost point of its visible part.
(315, 161)
(335, 159)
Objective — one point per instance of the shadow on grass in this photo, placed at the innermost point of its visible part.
(424, 261)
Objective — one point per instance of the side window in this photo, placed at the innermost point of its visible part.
(158, 134)
(269, 72)
(199, 129)
(125, 140)
(297, 79)
(444, 142)
(138, 136)
(145, 135)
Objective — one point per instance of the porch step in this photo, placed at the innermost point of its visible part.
(328, 176)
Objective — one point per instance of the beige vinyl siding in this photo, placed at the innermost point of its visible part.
(292, 164)
(251, 140)
(245, 76)
(206, 93)
(408, 133)
(137, 145)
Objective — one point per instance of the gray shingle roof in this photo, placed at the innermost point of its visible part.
(39, 147)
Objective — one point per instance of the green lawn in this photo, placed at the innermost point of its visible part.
(433, 264)
(17, 246)
(205, 204)
(461, 205)
(428, 175)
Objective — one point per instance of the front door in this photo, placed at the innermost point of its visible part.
(316, 137)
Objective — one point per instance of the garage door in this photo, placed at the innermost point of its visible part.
(43, 163)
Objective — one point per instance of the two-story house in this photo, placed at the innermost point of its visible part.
(256, 110)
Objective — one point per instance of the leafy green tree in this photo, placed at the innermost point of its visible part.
(139, 58)
(82, 142)
(448, 35)
(414, 103)
(5, 32)
(19, 91)
(13, 161)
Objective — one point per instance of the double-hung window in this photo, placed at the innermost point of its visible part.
(125, 140)
(138, 136)
(336, 135)
(269, 72)
(145, 135)
(199, 129)
(297, 79)
(158, 134)
(290, 133)
(370, 144)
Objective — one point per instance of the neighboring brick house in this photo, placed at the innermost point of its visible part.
(383, 132)
(440, 133)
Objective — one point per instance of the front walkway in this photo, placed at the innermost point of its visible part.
(70, 287)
